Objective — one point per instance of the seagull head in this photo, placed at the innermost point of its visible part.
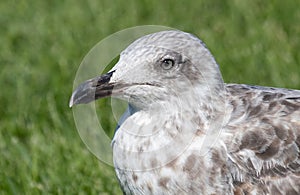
(152, 69)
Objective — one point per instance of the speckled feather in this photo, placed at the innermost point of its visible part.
(187, 132)
(265, 145)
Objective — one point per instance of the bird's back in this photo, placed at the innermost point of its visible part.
(264, 146)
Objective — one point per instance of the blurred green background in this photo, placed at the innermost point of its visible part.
(43, 43)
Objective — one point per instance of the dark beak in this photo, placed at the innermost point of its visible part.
(92, 89)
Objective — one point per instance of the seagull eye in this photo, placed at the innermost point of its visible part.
(167, 64)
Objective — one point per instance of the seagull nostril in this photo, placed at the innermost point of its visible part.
(105, 78)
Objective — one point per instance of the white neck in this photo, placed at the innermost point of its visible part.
(168, 128)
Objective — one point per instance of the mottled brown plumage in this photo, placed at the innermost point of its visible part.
(265, 144)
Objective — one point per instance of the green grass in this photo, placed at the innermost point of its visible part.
(43, 43)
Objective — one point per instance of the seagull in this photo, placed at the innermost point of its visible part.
(187, 132)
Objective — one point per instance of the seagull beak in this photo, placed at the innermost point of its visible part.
(92, 89)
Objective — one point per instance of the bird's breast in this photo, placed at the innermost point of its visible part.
(155, 156)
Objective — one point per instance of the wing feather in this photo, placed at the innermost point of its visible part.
(264, 147)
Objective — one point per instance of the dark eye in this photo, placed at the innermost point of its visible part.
(167, 64)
